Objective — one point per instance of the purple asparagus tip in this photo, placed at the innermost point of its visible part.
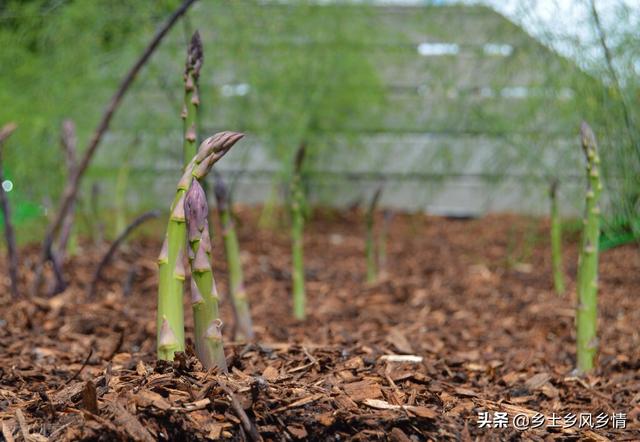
(195, 210)
(195, 55)
(588, 138)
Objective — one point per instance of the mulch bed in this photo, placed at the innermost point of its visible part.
(471, 301)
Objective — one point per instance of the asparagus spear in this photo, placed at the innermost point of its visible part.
(243, 328)
(587, 314)
(170, 320)
(556, 240)
(370, 246)
(204, 295)
(297, 231)
(382, 242)
(195, 58)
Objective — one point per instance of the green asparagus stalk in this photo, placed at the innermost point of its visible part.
(587, 314)
(297, 232)
(370, 246)
(204, 295)
(243, 328)
(195, 58)
(120, 195)
(382, 243)
(170, 319)
(556, 240)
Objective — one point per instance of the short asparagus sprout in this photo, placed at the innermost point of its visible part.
(297, 233)
(556, 240)
(370, 246)
(243, 327)
(382, 243)
(195, 58)
(170, 318)
(204, 295)
(122, 181)
(587, 314)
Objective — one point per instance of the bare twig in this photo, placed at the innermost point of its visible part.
(247, 424)
(71, 189)
(9, 233)
(128, 282)
(117, 347)
(84, 364)
(96, 227)
(69, 144)
(57, 256)
(22, 423)
(300, 155)
(114, 246)
(60, 284)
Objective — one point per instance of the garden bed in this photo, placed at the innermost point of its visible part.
(471, 301)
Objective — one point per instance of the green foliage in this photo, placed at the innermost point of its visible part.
(307, 82)
(63, 60)
(600, 90)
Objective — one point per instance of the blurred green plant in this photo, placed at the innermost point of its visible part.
(300, 71)
(598, 82)
(587, 279)
(58, 60)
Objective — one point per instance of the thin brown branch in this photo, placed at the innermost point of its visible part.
(9, 232)
(300, 154)
(69, 143)
(84, 364)
(71, 189)
(114, 246)
(247, 424)
(373, 204)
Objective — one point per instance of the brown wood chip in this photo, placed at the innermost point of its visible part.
(366, 389)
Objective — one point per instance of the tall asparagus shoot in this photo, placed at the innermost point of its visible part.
(195, 58)
(587, 314)
(370, 245)
(556, 240)
(204, 295)
(170, 318)
(243, 328)
(297, 232)
(9, 234)
(171, 259)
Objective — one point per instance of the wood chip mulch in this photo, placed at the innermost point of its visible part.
(464, 324)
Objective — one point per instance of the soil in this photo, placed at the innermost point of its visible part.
(471, 300)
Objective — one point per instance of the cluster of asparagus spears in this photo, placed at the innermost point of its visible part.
(190, 209)
(188, 240)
